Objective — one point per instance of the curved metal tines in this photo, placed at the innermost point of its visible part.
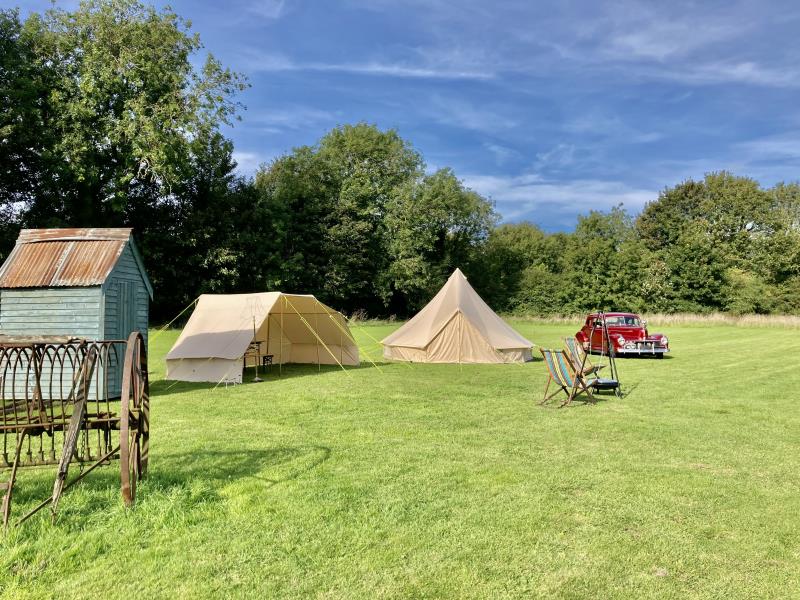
(73, 401)
(40, 383)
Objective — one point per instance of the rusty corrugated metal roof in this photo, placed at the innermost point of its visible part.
(63, 257)
(86, 233)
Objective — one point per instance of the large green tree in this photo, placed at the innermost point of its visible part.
(598, 257)
(724, 242)
(25, 83)
(295, 199)
(356, 220)
(199, 238)
(365, 166)
(124, 101)
(732, 210)
(434, 224)
(106, 121)
(517, 268)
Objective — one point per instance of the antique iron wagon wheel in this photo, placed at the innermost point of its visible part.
(134, 426)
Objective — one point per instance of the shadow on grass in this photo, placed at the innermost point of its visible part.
(172, 475)
(604, 396)
(165, 387)
(275, 373)
(628, 390)
(283, 463)
(579, 401)
(631, 357)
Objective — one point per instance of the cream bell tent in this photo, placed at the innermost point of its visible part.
(226, 331)
(457, 326)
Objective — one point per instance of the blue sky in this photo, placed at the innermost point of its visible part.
(550, 109)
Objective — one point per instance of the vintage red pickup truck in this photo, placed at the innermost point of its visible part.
(627, 332)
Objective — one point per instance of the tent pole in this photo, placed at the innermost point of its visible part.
(316, 328)
(268, 315)
(257, 379)
(460, 323)
(280, 350)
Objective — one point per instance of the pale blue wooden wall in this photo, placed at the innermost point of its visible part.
(126, 304)
(52, 311)
(48, 311)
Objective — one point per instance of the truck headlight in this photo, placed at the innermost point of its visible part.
(664, 340)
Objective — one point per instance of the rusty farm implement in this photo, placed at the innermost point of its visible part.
(72, 403)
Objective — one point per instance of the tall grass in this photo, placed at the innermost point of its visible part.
(666, 319)
(361, 318)
(717, 318)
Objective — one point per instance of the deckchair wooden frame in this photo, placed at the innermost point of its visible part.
(563, 373)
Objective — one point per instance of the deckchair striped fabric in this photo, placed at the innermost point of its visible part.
(579, 357)
(562, 372)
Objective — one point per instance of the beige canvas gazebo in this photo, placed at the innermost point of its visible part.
(457, 326)
(226, 331)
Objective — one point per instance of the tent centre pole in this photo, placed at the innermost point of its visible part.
(459, 325)
(316, 328)
(256, 379)
(268, 316)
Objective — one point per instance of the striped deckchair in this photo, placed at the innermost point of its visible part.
(562, 373)
(579, 357)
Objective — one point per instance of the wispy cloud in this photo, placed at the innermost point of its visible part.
(558, 157)
(397, 70)
(609, 126)
(769, 159)
(750, 72)
(466, 115)
(782, 146)
(293, 118)
(636, 40)
(646, 34)
(722, 72)
(247, 163)
(255, 61)
(525, 196)
(502, 154)
(268, 9)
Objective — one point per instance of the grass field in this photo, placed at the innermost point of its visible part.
(440, 481)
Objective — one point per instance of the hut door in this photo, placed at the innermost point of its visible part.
(127, 309)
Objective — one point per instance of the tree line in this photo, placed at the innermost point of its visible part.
(720, 244)
(105, 121)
